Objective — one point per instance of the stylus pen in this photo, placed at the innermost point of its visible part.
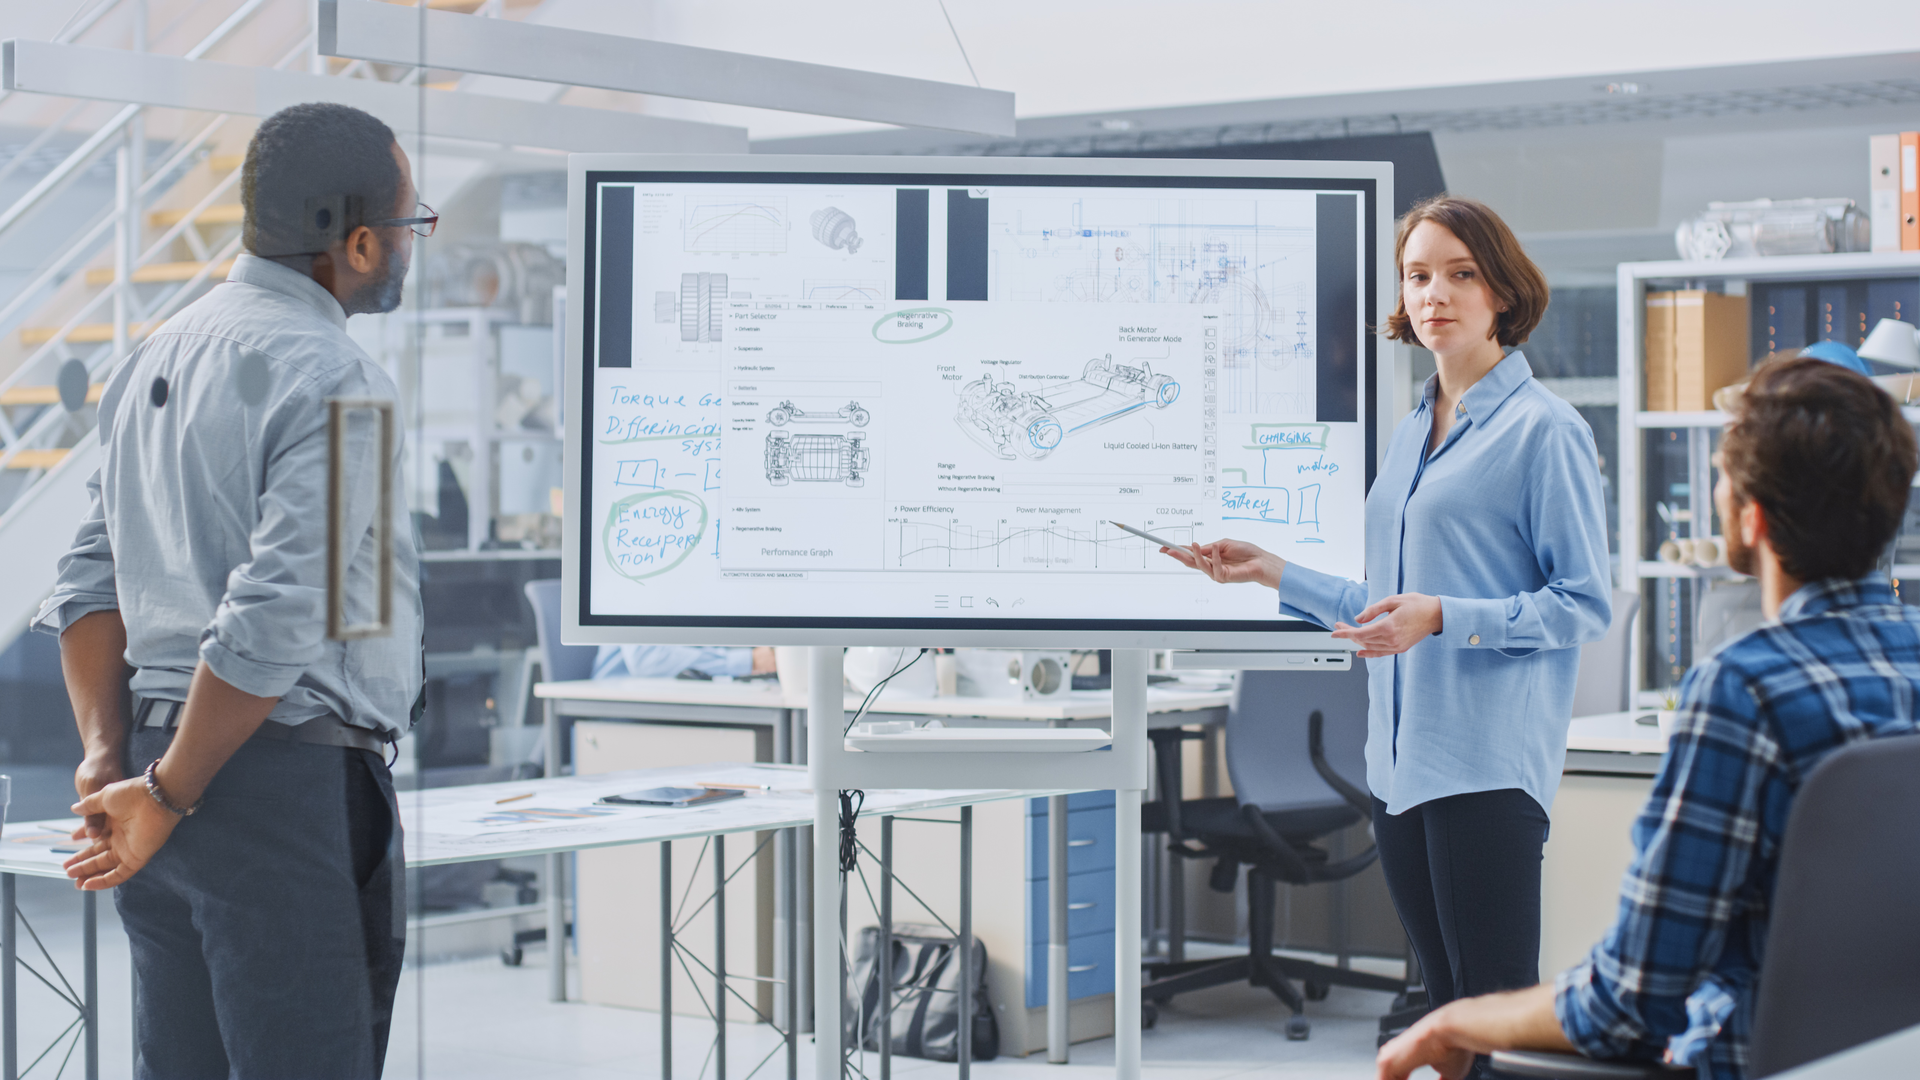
(1144, 535)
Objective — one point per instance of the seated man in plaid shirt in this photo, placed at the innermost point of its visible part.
(1815, 469)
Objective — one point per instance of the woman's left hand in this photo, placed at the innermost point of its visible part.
(1392, 624)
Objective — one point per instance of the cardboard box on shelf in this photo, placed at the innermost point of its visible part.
(1696, 343)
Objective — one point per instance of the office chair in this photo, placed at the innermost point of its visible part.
(1296, 754)
(1842, 962)
(558, 663)
(1601, 685)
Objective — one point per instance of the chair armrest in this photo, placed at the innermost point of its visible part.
(1317, 750)
(1166, 764)
(1543, 1065)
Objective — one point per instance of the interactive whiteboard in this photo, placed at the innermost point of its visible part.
(901, 400)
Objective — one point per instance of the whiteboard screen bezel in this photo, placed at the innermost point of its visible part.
(1372, 179)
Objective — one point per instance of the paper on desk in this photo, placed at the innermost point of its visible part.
(43, 843)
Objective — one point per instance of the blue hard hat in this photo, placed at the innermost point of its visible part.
(1834, 352)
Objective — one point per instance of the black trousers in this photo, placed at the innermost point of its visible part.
(1464, 874)
(267, 934)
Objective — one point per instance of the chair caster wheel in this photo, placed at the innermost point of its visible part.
(1298, 1029)
(1149, 1014)
(510, 957)
(1318, 991)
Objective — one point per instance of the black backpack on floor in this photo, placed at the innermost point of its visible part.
(926, 1008)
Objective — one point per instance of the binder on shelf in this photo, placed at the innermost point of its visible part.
(1696, 343)
(1910, 191)
(1883, 191)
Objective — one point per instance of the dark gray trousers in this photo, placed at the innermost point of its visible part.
(267, 934)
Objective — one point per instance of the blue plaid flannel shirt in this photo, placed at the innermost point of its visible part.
(1683, 957)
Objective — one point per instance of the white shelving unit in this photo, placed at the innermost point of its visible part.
(1731, 275)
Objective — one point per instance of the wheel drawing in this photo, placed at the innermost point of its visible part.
(1165, 391)
(701, 306)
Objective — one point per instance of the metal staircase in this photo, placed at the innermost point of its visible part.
(169, 232)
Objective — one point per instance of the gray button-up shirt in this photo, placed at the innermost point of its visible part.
(208, 523)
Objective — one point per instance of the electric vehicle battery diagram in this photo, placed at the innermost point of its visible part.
(1014, 423)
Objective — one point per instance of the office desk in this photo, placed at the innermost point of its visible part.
(1611, 762)
(762, 704)
(463, 824)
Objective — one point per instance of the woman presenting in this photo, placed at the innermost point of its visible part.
(1486, 557)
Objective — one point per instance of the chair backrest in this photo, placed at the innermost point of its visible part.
(1842, 960)
(558, 663)
(1267, 736)
(1601, 686)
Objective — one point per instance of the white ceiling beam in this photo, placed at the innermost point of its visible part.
(388, 34)
(173, 82)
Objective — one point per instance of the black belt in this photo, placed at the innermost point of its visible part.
(319, 731)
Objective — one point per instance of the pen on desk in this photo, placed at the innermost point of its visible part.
(735, 787)
(513, 798)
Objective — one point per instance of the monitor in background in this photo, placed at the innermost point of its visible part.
(864, 401)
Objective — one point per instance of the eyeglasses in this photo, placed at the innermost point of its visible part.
(421, 225)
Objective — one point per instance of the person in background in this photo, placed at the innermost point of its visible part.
(239, 798)
(1814, 472)
(673, 661)
(1486, 569)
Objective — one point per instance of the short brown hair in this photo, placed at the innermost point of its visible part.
(1828, 457)
(1512, 278)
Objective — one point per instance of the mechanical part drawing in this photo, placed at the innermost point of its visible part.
(833, 227)
(787, 413)
(1028, 424)
(819, 459)
(699, 309)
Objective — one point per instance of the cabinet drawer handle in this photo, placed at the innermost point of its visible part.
(1083, 905)
(1081, 843)
(1077, 969)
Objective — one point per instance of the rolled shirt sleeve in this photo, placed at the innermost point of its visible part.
(84, 582)
(1568, 526)
(270, 625)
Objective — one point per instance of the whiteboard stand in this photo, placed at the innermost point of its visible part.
(832, 767)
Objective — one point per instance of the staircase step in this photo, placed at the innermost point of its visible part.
(159, 272)
(84, 334)
(36, 459)
(44, 395)
(222, 214)
(226, 162)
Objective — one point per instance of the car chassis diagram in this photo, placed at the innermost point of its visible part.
(1014, 423)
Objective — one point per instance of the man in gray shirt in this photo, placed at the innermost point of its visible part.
(238, 796)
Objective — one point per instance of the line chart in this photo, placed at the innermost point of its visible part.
(725, 226)
(1005, 545)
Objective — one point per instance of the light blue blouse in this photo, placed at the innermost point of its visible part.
(1505, 523)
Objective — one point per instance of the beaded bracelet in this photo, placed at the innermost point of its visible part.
(153, 789)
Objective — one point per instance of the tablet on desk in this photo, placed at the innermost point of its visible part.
(670, 796)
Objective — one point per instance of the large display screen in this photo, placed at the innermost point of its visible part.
(897, 403)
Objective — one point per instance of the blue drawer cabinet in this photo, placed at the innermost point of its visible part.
(1089, 842)
(1090, 873)
(1089, 906)
(1089, 968)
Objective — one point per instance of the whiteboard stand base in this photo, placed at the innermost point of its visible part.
(833, 767)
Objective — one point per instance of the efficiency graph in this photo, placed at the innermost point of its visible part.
(725, 226)
(925, 544)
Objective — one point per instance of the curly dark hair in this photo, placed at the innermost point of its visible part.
(314, 173)
(1512, 277)
(1828, 457)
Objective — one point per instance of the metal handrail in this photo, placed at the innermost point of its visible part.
(84, 154)
(146, 257)
(72, 33)
(54, 418)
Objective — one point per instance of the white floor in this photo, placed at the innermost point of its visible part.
(479, 1020)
